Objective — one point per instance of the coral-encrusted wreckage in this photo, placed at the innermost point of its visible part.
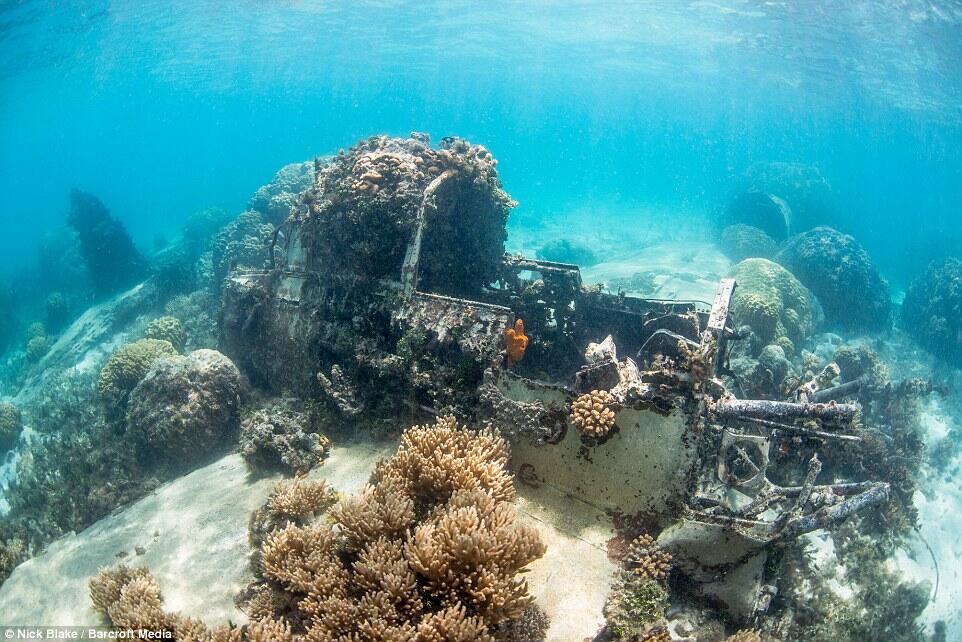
(388, 295)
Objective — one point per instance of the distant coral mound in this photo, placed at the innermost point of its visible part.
(932, 310)
(773, 302)
(112, 260)
(838, 270)
(276, 200)
(739, 242)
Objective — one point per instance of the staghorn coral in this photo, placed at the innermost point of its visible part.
(126, 367)
(11, 425)
(592, 413)
(281, 437)
(383, 573)
(932, 310)
(773, 302)
(185, 407)
(515, 342)
(647, 559)
(299, 499)
(434, 461)
(840, 273)
(739, 242)
(167, 328)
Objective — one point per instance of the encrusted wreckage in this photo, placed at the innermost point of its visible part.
(390, 296)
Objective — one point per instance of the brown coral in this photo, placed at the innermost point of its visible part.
(745, 635)
(592, 413)
(300, 498)
(433, 462)
(647, 559)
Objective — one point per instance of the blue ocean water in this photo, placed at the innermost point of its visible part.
(616, 126)
(593, 109)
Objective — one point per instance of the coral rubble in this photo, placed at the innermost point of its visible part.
(280, 436)
(840, 273)
(932, 309)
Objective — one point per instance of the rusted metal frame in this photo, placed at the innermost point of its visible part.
(741, 409)
(799, 430)
(412, 257)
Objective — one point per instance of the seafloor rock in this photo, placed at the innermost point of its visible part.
(740, 242)
(276, 199)
(110, 255)
(841, 274)
(932, 310)
(773, 302)
(760, 210)
(11, 425)
(185, 406)
(282, 437)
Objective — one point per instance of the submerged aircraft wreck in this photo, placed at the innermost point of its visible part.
(389, 295)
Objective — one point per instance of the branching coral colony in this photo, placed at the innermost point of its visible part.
(429, 551)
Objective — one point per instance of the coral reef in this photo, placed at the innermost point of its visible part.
(645, 558)
(276, 200)
(932, 310)
(739, 242)
(245, 241)
(568, 251)
(593, 413)
(430, 551)
(364, 206)
(515, 342)
(11, 425)
(126, 367)
(185, 406)
(13, 551)
(636, 605)
(773, 302)
(745, 635)
(112, 260)
(840, 273)
(281, 437)
(197, 315)
(167, 328)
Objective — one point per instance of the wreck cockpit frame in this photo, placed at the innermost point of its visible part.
(684, 454)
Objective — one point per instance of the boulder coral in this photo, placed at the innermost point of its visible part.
(739, 242)
(167, 328)
(932, 310)
(127, 366)
(185, 407)
(11, 425)
(840, 273)
(773, 302)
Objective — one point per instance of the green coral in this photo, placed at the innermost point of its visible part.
(12, 552)
(127, 366)
(635, 605)
(773, 302)
(36, 348)
(167, 328)
(11, 424)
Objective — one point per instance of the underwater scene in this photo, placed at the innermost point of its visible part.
(558, 320)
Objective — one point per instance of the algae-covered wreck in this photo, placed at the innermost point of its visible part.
(389, 294)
